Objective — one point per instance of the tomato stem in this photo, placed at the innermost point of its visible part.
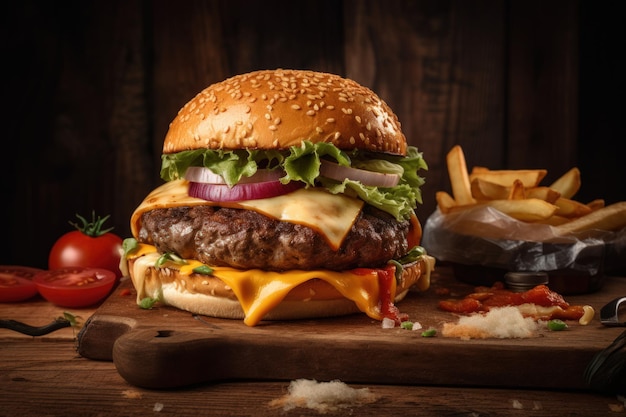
(93, 228)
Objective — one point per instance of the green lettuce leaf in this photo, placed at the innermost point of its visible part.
(302, 163)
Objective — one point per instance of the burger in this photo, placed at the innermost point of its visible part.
(287, 194)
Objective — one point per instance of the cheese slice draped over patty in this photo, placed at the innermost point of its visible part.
(331, 215)
(259, 291)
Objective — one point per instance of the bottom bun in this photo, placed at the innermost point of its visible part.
(210, 296)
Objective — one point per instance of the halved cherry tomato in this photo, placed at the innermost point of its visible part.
(75, 286)
(16, 283)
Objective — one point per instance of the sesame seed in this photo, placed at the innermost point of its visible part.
(331, 107)
(295, 107)
(319, 130)
(362, 136)
(358, 119)
(337, 135)
(273, 127)
(352, 141)
(330, 120)
(310, 113)
(277, 120)
(268, 116)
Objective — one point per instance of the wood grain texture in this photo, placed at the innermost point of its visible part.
(543, 86)
(50, 379)
(442, 71)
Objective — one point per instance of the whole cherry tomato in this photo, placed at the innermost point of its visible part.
(88, 246)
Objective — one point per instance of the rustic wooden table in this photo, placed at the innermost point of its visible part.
(46, 376)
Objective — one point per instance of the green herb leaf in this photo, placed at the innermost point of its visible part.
(204, 270)
(147, 303)
(407, 325)
(429, 333)
(557, 325)
(129, 245)
(169, 257)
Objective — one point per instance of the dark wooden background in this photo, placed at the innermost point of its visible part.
(90, 87)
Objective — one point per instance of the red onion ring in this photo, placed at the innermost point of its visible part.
(241, 192)
(375, 179)
(205, 175)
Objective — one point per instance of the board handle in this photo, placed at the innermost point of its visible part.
(162, 359)
(169, 358)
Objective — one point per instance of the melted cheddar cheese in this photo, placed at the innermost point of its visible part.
(332, 215)
(259, 291)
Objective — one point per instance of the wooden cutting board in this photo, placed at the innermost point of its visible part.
(165, 347)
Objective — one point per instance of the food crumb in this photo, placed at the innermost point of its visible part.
(499, 322)
(388, 323)
(323, 397)
(517, 405)
(158, 407)
(133, 394)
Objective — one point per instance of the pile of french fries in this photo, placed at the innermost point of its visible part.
(519, 194)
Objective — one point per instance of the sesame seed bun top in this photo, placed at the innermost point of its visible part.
(276, 109)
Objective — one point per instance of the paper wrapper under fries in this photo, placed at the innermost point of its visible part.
(497, 221)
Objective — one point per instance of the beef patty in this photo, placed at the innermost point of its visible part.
(245, 239)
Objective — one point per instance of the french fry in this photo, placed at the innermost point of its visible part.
(444, 201)
(485, 190)
(528, 177)
(459, 179)
(517, 192)
(571, 208)
(543, 193)
(568, 184)
(596, 204)
(529, 209)
(611, 217)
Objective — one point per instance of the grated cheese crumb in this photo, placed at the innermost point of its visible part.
(502, 323)
(323, 397)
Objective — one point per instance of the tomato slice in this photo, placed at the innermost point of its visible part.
(16, 283)
(75, 286)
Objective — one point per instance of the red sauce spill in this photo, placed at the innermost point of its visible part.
(484, 298)
(386, 279)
